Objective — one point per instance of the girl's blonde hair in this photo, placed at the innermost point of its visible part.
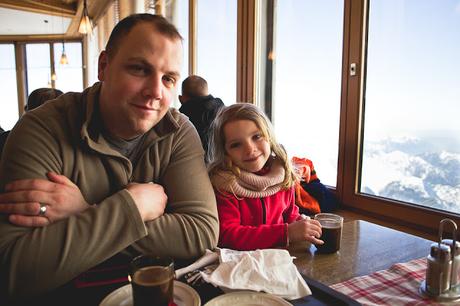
(217, 157)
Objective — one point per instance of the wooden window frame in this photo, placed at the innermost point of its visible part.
(351, 133)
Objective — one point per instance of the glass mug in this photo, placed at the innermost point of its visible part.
(331, 227)
(152, 280)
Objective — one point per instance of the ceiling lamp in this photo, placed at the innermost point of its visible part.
(85, 23)
(63, 60)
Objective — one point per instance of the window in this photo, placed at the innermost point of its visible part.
(9, 114)
(216, 47)
(411, 141)
(38, 66)
(69, 77)
(307, 81)
(178, 14)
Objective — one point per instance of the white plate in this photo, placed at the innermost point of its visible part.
(247, 298)
(184, 295)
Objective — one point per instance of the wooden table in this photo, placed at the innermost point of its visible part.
(365, 248)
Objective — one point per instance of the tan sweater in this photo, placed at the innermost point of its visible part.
(64, 136)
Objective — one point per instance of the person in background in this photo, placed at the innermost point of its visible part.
(35, 99)
(254, 183)
(95, 178)
(39, 96)
(199, 106)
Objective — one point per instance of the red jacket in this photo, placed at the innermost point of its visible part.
(255, 223)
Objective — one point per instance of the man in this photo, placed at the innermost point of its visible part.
(199, 106)
(36, 99)
(98, 177)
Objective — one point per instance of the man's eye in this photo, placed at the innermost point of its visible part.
(138, 70)
(169, 81)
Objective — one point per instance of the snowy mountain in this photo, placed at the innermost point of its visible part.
(414, 171)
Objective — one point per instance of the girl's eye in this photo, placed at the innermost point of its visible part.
(257, 136)
(234, 145)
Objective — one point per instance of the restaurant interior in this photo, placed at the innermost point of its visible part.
(394, 196)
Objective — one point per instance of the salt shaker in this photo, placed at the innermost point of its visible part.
(438, 272)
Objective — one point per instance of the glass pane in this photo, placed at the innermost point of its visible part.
(412, 132)
(178, 12)
(38, 66)
(9, 102)
(69, 77)
(216, 47)
(307, 82)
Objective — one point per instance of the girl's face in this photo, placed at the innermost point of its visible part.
(245, 145)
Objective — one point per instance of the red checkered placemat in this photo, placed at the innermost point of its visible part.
(399, 285)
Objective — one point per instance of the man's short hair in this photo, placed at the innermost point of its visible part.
(194, 86)
(40, 96)
(122, 28)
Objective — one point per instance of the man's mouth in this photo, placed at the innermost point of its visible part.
(145, 107)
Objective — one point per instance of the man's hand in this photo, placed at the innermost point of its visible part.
(22, 200)
(150, 199)
(305, 230)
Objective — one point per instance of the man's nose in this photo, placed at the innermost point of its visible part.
(154, 88)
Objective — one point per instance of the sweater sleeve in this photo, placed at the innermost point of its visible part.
(237, 236)
(37, 260)
(190, 223)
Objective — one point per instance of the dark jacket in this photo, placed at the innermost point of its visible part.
(201, 111)
(3, 136)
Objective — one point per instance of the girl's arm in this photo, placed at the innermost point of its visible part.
(291, 213)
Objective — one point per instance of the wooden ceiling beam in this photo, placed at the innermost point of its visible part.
(51, 7)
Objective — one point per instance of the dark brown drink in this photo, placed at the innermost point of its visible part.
(331, 237)
(152, 285)
(331, 227)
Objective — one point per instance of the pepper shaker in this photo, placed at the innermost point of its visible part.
(439, 265)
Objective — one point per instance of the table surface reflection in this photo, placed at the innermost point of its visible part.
(365, 248)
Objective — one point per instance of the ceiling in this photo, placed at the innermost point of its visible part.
(45, 17)
(33, 23)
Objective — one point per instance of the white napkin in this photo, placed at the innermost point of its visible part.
(269, 270)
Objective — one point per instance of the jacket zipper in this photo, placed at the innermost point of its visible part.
(264, 211)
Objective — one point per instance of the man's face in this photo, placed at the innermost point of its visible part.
(138, 81)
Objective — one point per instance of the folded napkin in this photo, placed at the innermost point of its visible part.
(269, 270)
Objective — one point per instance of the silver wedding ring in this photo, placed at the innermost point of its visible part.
(43, 209)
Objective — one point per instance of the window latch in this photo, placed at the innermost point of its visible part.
(352, 69)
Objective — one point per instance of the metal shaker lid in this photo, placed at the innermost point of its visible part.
(450, 243)
(440, 252)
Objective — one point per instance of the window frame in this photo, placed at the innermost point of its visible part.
(351, 134)
(21, 65)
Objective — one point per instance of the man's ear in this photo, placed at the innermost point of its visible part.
(102, 65)
(181, 99)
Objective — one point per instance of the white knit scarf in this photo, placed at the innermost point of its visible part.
(250, 185)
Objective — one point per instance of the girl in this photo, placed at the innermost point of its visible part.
(254, 183)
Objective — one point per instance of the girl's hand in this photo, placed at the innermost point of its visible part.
(305, 230)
